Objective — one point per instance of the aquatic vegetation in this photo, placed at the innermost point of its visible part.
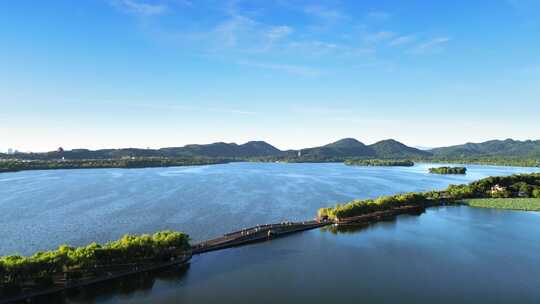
(448, 170)
(528, 204)
(379, 162)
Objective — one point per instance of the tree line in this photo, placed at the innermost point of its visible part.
(20, 165)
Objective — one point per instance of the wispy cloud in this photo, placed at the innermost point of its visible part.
(278, 32)
(231, 31)
(286, 68)
(433, 44)
(401, 40)
(232, 111)
(237, 31)
(378, 36)
(325, 13)
(140, 8)
(175, 107)
(378, 15)
(245, 33)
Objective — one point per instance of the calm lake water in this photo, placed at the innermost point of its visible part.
(446, 255)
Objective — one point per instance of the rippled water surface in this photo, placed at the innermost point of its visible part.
(445, 255)
(42, 209)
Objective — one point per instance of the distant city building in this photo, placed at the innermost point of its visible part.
(300, 153)
(10, 151)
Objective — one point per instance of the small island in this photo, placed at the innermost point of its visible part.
(379, 163)
(448, 170)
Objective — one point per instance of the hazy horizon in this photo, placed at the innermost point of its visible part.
(294, 73)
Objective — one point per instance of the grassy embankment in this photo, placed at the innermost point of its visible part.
(526, 204)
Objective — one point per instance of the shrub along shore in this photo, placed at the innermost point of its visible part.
(40, 268)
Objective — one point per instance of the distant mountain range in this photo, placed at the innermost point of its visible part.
(350, 147)
(508, 148)
(344, 148)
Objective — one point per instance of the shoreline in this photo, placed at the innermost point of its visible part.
(107, 164)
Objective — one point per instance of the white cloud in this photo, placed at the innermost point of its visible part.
(435, 43)
(378, 15)
(325, 13)
(378, 36)
(278, 32)
(140, 8)
(247, 34)
(287, 68)
(401, 40)
(231, 31)
(170, 106)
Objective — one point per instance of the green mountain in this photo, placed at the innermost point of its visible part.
(394, 149)
(344, 148)
(249, 149)
(220, 149)
(347, 147)
(350, 147)
(508, 148)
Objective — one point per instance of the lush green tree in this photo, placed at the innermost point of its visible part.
(40, 267)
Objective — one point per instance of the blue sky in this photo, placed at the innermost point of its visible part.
(141, 73)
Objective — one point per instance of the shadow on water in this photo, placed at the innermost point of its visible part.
(358, 227)
(127, 286)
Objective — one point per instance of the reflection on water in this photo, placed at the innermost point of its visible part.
(358, 227)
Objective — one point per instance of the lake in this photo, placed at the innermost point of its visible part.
(446, 255)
